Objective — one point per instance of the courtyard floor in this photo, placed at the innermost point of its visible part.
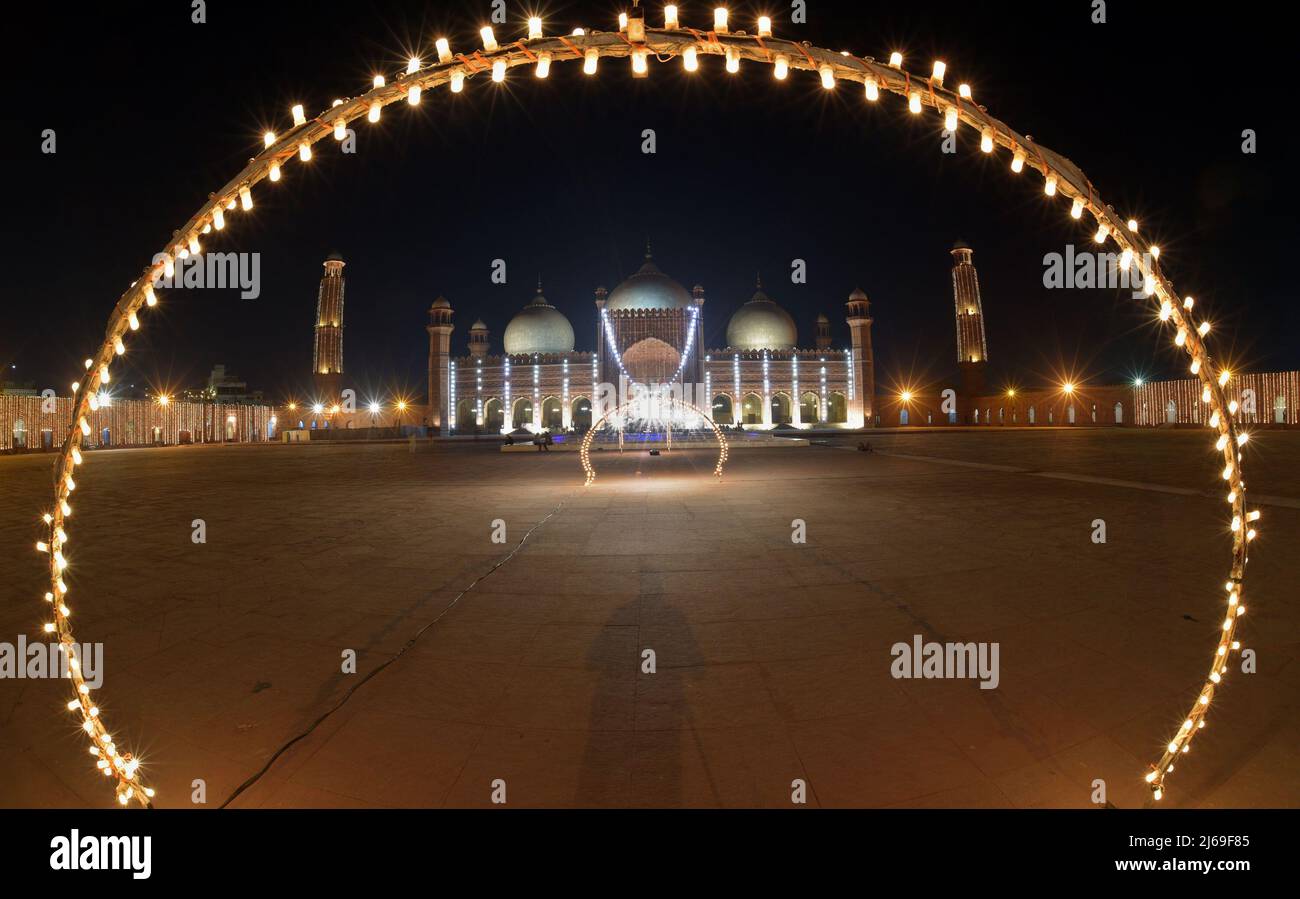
(772, 658)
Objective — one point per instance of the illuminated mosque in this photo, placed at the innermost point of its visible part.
(650, 330)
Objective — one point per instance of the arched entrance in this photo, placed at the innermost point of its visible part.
(522, 417)
(581, 413)
(552, 414)
(722, 409)
(837, 408)
(494, 416)
(751, 410)
(466, 416)
(810, 408)
(1062, 182)
(781, 414)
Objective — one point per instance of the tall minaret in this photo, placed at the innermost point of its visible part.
(862, 365)
(327, 350)
(972, 347)
(441, 415)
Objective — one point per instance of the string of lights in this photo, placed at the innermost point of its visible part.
(619, 413)
(635, 40)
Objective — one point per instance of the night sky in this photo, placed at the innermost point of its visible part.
(153, 112)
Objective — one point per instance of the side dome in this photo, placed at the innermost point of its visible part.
(761, 324)
(649, 288)
(538, 328)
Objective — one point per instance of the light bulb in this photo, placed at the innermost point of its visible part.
(690, 59)
(299, 117)
(781, 68)
(443, 48)
(543, 64)
(873, 89)
(589, 62)
(489, 39)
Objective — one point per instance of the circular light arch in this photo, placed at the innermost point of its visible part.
(584, 453)
(635, 41)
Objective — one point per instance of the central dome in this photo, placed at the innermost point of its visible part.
(761, 324)
(649, 288)
(538, 328)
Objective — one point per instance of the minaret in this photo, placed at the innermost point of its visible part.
(440, 328)
(327, 350)
(862, 407)
(823, 332)
(697, 295)
(972, 348)
(478, 339)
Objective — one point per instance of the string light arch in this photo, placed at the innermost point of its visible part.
(634, 40)
(584, 452)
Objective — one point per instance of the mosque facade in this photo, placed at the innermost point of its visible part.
(649, 330)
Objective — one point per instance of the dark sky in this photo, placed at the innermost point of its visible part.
(153, 112)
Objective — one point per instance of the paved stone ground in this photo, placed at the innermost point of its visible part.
(772, 658)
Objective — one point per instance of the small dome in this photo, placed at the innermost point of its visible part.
(649, 288)
(335, 256)
(761, 324)
(822, 319)
(858, 294)
(960, 244)
(538, 328)
(441, 303)
(478, 325)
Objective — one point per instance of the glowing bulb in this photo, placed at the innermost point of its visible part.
(376, 109)
(413, 65)
(950, 118)
(1223, 379)
(1188, 302)
(413, 95)
(622, 21)
(133, 321)
(245, 198)
(498, 70)
(304, 151)
(118, 346)
(534, 27)
(543, 64)
(1076, 209)
(1203, 329)
(589, 62)
(1181, 337)
(1155, 252)
(1102, 233)
(963, 91)
(873, 89)
(218, 219)
(781, 68)
(1049, 187)
(269, 137)
(1166, 310)
(443, 48)
(489, 39)
(764, 26)
(299, 118)
(670, 16)
(896, 59)
(1125, 259)
(914, 102)
(986, 140)
(940, 68)
(640, 64)
(828, 77)
(690, 59)
(733, 60)
(379, 81)
(1018, 161)
(457, 81)
(720, 20)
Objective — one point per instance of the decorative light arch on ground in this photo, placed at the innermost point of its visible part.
(584, 453)
(924, 94)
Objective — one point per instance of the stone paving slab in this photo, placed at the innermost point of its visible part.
(772, 659)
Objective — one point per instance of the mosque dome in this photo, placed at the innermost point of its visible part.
(649, 288)
(538, 328)
(761, 324)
